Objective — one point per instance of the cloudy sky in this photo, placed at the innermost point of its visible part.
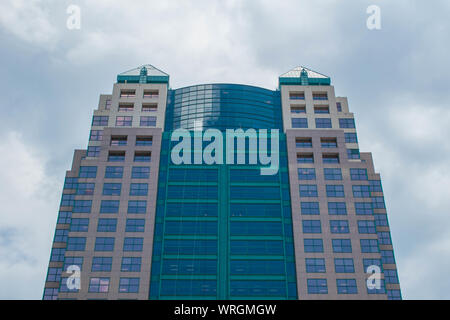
(397, 81)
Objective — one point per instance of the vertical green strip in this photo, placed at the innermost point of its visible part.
(223, 262)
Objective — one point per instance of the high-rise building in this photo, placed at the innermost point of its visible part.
(138, 225)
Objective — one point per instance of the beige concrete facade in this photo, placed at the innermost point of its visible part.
(345, 164)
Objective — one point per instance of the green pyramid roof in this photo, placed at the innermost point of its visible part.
(304, 76)
(143, 74)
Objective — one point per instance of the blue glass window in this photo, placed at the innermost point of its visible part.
(384, 238)
(261, 288)
(237, 210)
(255, 228)
(313, 245)
(358, 174)
(197, 192)
(335, 191)
(104, 244)
(305, 158)
(131, 264)
(145, 141)
(112, 189)
(263, 193)
(332, 173)
(342, 245)
(138, 189)
(311, 226)
(303, 143)
(346, 286)
(307, 174)
(116, 156)
(361, 191)
(323, 123)
(394, 295)
(140, 173)
(93, 151)
(101, 264)
(363, 208)
(133, 244)
(64, 217)
(369, 245)
(353, 154)
(321, 110)
(107, 225)
(57, 254)
(195, 247)
(317, 286)
(88, 172)
(54, 274)
(256, 267)
(190, 227)
(375, 186)
(351, 137)
(141, 156)
(188, 266)
(61, 235)
(137, 206)
(387, 256)
(124, 121)
(339, 226)
(378, 203)
(189, 288)
(330, 158)
(344, 265)
(347, 123)
(96, 135)
(69, 261)
(315, 265)
(310, 208)
(390, 276)
(100, 121)
(148, 121)
(114, 172)
(135, 225)
(129, 285)
(79, 225)
(109, 206)
(381, 220)
(76, 243)
(337, 208)
(308, 190)
(299, 123)
(371, 262)
(99, 285)
(85, 189)
(366, 226)
(256, 247)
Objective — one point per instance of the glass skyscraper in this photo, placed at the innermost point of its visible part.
(138, 226)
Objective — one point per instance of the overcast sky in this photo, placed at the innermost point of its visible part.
(397, 81)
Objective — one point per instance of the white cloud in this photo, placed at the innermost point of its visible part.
(28, 20)
(29, 205)
(409, 141)
(248, 42)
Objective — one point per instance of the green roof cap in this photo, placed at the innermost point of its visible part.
(305, 77)
(143, 74)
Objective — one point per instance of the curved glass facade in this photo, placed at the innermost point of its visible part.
(222, 231)
(223, 106)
